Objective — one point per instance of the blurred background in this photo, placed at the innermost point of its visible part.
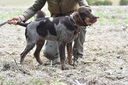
(16, 2)
(10, 8)
(91, 2)
(108, 2)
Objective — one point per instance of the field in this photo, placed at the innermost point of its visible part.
(105, 60)
(16, 2)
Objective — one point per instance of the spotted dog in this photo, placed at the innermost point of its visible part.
(61, 29)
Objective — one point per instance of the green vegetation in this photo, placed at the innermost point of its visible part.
(32, 81)
(6, 13)
(126, 21)
(106, 2)
(99, 2)
(116, 17)
(9, 12)
(123, 2)
(4, 82)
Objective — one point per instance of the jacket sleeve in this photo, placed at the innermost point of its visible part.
(31, 11)
(83, 3)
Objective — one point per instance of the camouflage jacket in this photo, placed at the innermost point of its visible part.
(54, 6)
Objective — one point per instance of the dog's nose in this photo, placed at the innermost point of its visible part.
(96, 17)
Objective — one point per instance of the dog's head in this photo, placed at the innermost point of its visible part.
(84, 17)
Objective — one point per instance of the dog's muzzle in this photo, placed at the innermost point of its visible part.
(90, 20)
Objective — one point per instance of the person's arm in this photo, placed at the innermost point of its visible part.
(28, 13)
(83, 3)
(33, 9)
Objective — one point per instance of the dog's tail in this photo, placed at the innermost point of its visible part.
(23, 24)
(40, 14)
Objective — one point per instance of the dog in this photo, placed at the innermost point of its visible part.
(61, 29)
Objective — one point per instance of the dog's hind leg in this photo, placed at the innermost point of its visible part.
(29, 46)
(39, 46)
(62, 55)
(69, 53)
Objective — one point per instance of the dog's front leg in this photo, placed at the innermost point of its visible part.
(62, 54)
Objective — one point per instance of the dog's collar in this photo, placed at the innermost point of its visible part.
(73, 23)
(72, 19)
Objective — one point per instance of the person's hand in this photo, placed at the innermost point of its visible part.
(16, 19)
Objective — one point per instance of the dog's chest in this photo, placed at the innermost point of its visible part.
(64, 33)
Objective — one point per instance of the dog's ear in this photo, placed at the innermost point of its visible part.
(84, 10)
(81, 10)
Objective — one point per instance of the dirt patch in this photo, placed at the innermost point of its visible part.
(105, 60)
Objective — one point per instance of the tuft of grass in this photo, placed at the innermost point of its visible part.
(3, 81)
(36, 81)
(126, 21)
(121, 11)
(32, 81)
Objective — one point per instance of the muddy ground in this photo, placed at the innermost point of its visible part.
(105, 60)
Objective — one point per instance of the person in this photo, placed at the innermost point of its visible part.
(57, 8)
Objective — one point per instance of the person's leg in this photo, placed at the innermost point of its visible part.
(78, 44)
(51, 51)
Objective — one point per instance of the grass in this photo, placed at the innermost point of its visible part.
(6, 13)
(126, 21)
(4, 82)
(32, 81)
(55, 81)
(115, 17)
